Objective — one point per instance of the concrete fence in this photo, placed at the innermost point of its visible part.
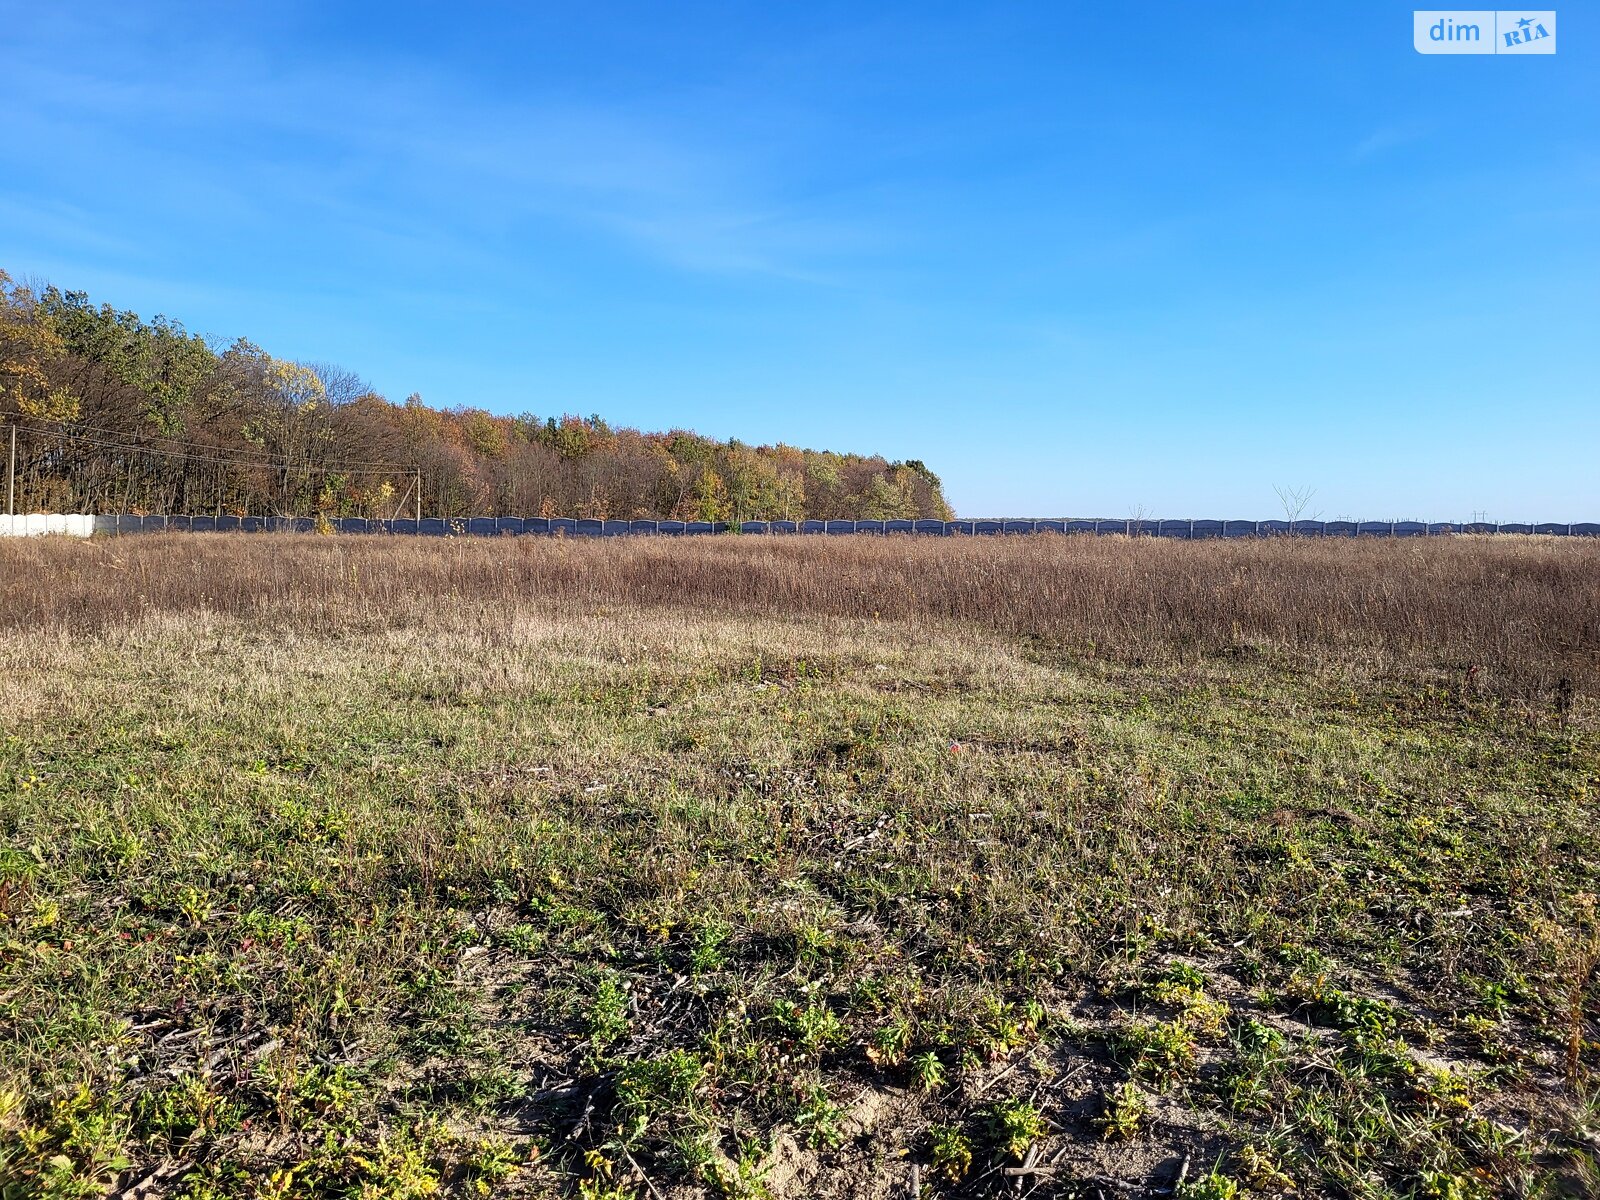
(588, 527)
(38, 524)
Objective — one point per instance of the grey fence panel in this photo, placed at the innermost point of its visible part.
(591, 527)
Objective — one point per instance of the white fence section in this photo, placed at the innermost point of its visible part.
(38, 524)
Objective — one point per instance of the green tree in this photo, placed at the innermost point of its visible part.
(710, 497)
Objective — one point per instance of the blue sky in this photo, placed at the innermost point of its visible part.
(1080, 259)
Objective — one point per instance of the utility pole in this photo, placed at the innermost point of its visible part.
(11, 491)
(419, 499)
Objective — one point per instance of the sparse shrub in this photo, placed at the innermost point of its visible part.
(818, 1116)
(1014, 1125)
(1124, 1112)
(1213, 1185)
(951, 1152)
(1162, 1051)
(929, 1072)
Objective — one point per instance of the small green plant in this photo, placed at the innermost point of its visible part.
(491, 1161)
(327, 1090)
(819, 1116)
(1124, 1112)
(890, 1042)
(814, 1027)
(1446, 1091)
(709, 952)
(1448, 1185)
(607, 1018)
(815, 945)
(652, 1087)
(396, 1168)
(1001, 1029)
(524, 938)
(950, 1154)
(1014, 1125)
(195, 906)
(1496, 1000)
(1260, 1170)
(1213, 1185)
(1161, 1051)
(929, 1072)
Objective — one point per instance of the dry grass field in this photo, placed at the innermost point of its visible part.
(1052, 867)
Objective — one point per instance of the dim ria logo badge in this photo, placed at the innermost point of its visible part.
(1473, 31)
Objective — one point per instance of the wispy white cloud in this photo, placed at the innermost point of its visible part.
(1389, 137)
(463, 164)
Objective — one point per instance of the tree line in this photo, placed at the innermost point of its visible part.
(114, 413)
